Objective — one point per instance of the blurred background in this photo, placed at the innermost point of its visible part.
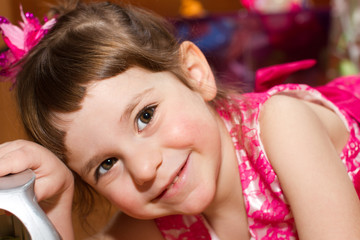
(238, 37)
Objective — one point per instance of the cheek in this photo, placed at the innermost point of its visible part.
(180, 130)
(189, 130)
(123, 196)
(117, 189)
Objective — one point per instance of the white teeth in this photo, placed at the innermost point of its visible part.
(175, 179)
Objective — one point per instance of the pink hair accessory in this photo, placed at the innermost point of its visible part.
(20, 40)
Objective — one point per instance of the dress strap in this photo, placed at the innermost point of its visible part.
(345, 93)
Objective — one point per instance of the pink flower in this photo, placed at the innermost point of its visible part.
(264, 167)
(247, 175)
(279, 234)
(271, 210)
(20, 41)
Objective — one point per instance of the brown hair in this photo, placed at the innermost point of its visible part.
(89, 42)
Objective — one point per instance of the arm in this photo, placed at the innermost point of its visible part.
(54, 183)
(314, 180)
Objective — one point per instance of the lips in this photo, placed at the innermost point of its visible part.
(173, 180)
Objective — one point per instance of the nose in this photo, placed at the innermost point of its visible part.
(143, 165)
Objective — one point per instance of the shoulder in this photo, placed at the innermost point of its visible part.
(290, 115)
(299, 147)
(125, 227)
(283, 113)
(288, 126)
(281, 102)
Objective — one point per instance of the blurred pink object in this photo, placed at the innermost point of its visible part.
(20, 41)
(270, 76)
(269, 6)
(249, 4)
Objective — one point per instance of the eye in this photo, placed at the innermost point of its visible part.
(104, 167)
(144, 117)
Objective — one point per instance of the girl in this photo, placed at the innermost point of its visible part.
(138, 117)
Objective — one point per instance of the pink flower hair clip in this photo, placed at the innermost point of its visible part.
(20, 40)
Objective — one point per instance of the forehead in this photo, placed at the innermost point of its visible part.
(122, 86)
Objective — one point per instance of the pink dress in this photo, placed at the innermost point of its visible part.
(269, 215)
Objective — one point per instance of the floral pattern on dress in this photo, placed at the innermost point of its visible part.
(269, 214)
(183, 227)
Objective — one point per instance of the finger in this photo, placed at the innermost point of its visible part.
(12, 146)
(50, 179)
(14, 162)
(52, 176)
(7, 147)
(19, 156)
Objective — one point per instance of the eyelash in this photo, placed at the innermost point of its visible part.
(98, 173)
(141, 113)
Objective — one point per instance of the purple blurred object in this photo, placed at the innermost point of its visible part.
(240, 43)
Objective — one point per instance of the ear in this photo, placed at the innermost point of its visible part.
(199, 73)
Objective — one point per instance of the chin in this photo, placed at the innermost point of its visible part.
(197, 203)
(140, 215)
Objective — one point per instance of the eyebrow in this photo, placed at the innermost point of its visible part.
(135, 100)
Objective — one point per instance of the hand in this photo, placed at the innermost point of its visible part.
(54, 183)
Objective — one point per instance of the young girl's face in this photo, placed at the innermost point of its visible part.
(147, 143)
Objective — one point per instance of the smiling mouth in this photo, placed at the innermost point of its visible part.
(176, 178)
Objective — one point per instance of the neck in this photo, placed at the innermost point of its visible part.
(226, 214)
